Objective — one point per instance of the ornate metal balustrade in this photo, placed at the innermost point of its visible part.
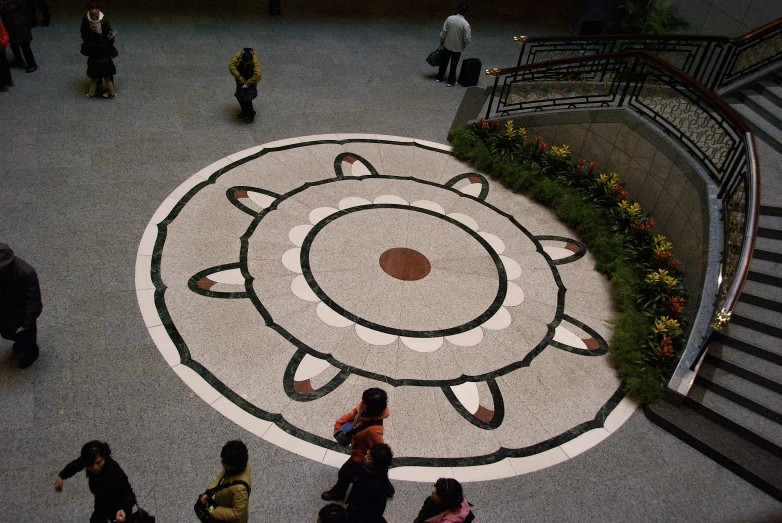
(686, 111)
(718, 62)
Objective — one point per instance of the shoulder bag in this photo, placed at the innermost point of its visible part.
(345, 433)
(201, 512)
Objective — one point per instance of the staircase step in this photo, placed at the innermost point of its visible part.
(736, 370)
(759, 301)
(770, 267)
(772, 90)
(742, 392)
(767, 244)
(769, 292)
(768, 317)
(759, 254)
(748, 356)
(765, 279)
(767, 336)
(738, 414)
(765, 105)
(762, 128)
(765, 232)
(771, 222)
(770, 210)
(749, 461)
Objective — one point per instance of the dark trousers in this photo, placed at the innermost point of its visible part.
(44, 11)
(274, 7)
(5, 70)
(448, 56)
(29, 59)
(247, 108)
(345, 477)
(25, 342)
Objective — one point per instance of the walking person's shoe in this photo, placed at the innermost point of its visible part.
(27, 360)
(329, 496)
(31, 69)
(250, 118)
(90, 96)
(113, 96)
(4, 89)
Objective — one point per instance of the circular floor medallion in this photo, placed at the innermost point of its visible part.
(282, 281)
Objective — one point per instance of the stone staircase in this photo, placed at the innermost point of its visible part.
(734, 410)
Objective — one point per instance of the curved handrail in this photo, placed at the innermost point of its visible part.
(719, 62)
(736, 173)
(686, 79)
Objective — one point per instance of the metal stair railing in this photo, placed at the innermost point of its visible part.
(718, 62)
(686, 111)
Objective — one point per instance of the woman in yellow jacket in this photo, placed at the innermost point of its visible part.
(227, 498)
(246, 70)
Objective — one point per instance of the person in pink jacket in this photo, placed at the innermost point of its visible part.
(446, 504)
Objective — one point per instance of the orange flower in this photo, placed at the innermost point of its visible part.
(644, 225)
(592, 166)
(674, 263)
(666, 353)
(675, 305)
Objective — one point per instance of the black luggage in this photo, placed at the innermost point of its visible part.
(471, 71)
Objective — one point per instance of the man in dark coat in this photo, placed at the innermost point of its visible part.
(20, 305)
(15, 15)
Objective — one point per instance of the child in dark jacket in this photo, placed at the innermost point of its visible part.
(371, 487)
(98, 44)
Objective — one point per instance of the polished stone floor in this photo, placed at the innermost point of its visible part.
(81, 181)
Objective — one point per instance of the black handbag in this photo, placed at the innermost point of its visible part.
(435, 58)
(344, 437)
(201, 512)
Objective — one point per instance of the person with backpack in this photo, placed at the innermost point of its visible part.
(362, 429)
(446, 504)
(227, 498)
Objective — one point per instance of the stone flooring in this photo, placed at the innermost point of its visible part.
(81, 180)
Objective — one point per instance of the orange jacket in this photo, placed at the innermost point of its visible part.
(366, 439)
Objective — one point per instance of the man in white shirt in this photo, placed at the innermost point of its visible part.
(454, 38)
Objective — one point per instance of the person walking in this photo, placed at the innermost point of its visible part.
(365, 423)
(446, 504)
(5, 69)
(227, 498)
(98, 43)
(454, 38)
(246, 70)
(371, 487)
(15, 19)
(114, 497)
(20, 305)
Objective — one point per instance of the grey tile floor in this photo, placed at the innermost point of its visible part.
(79, 180)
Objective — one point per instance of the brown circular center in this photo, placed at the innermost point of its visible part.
(405, 264)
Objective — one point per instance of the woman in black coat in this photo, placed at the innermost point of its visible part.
(371, 488)
(14, 15)
(114, 497)
(98, 44)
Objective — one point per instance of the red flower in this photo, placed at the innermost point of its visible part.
(592, 166)
(617, 188)
(675, 263)
(485, 125)
(580, 166)
(675, 305)
(644, 225)
(666, 353)
(527, 144)
(495, 123)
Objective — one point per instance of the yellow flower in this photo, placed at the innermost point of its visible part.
(509, 129)
(560, 152)
(671, 282)
(613, 179)
(660, 275)
(666, 325)
(603, 178)
(661, 245)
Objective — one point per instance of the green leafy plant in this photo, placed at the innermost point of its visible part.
(646, 285)
(651, 16)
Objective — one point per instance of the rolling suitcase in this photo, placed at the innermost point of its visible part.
(470, 72)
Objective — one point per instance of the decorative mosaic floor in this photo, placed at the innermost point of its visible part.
(282, 281)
